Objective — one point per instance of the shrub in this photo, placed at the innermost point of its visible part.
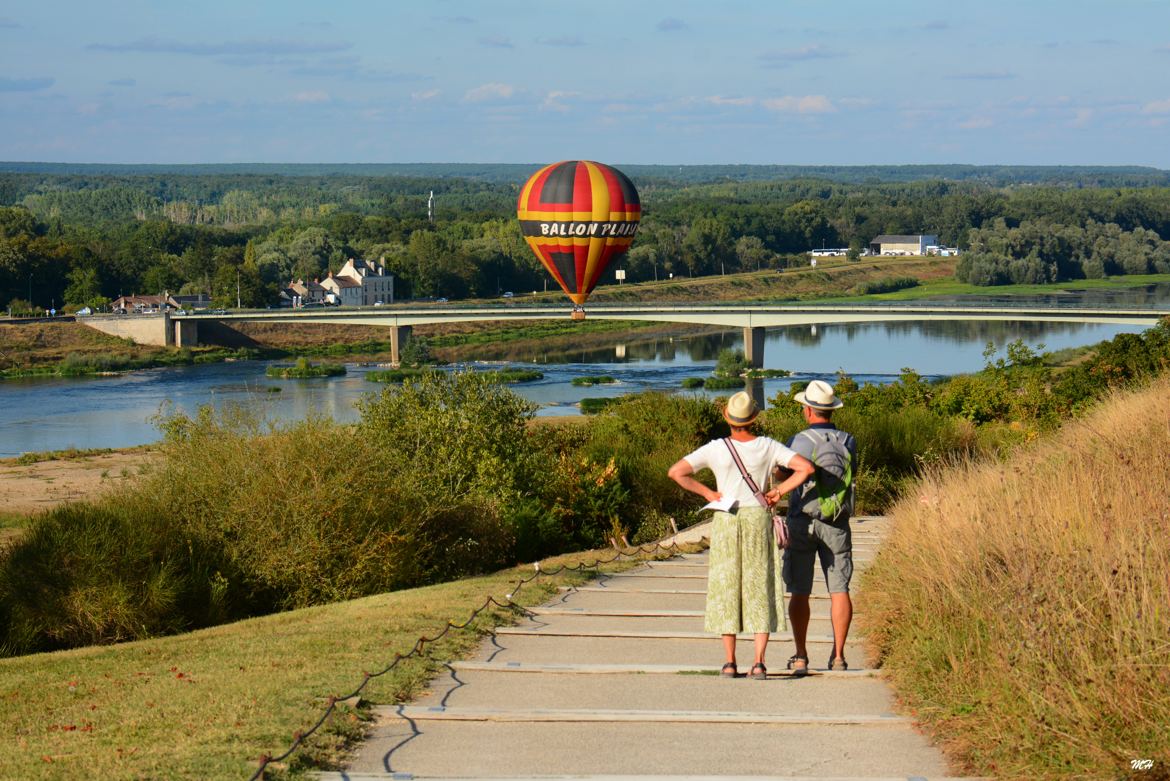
(84, 574)
(645, 434)
(592, 406)
(693, 382)
(302, 369)
(730, 363)
(885, 285)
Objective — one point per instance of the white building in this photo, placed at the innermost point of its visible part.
(902, 245)
(377, 287)
(357, 283)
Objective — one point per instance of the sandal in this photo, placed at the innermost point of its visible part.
(759, 672)
(838, 663)
(798, 672)
(729, 670)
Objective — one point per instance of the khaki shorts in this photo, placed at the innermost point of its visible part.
(810, 539)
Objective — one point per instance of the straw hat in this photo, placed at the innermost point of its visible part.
(819, 394)
(741, 409)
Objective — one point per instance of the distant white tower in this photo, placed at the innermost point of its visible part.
(431, 207)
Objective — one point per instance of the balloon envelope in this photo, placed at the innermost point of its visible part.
(578, 217)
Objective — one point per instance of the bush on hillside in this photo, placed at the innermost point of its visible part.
(645, 434)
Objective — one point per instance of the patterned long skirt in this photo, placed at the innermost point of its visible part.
(743, 576)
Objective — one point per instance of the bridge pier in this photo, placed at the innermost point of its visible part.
(753, 346)
(185, 333)
(399, 336)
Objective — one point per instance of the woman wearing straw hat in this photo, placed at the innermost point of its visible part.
(743, 572)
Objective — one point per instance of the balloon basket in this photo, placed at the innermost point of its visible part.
(578, 313)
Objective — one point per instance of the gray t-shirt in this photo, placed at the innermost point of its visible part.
(803, 444)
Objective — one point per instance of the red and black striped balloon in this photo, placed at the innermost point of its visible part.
(578, 217)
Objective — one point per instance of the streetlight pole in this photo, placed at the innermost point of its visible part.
(30, 289)
(238, 290)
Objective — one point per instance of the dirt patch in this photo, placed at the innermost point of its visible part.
(46, 484)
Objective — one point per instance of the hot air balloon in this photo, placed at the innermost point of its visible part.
(578, 217)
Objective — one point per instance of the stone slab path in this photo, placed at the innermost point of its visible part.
(617, 680)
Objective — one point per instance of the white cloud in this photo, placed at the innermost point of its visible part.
(268, 46)
(670, 25)
(491, 91)
(312, 96)
(975, 123)
(800, 104)
(1082, 117)
(552, 101)
(496, 42)
(814, 51)
(422, 97)
(1157, 107)
(722, 100)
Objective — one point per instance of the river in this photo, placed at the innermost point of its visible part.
(100, 412)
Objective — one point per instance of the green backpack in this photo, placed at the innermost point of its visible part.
(833, 476)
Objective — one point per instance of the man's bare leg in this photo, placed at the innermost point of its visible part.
(842, 614)
(798, 614)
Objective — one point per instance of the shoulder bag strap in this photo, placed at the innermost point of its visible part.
(743, 471)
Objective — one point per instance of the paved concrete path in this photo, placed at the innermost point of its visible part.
(618, 680)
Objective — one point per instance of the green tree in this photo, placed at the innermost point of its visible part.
(708, 247)
(85, 288)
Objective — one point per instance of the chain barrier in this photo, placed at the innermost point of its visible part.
(301, 736)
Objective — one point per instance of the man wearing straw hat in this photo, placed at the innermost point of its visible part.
(743, 587)
(818, 523)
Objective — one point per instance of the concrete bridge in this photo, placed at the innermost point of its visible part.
(183, 330)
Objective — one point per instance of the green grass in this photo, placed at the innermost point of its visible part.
(723, 383)
(593, 379)
(302, 370)
(36, 457)
(208, 703)
(83, 364)
(538, 330)
(11, 526)
(512, 376)
(395, 375)
(952, 287)
(592, 406)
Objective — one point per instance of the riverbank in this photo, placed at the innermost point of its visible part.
(29, 485)
(69, 348)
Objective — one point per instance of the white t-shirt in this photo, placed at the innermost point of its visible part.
(758, 456)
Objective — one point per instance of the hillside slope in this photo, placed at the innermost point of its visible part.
(1021, 607)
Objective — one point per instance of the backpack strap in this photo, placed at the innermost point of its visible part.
(744, 472)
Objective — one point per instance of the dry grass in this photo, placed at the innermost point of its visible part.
(1023, 608)
(26, 345)
(207, 704)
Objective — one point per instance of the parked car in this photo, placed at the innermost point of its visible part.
(509, 294)
(85, 310)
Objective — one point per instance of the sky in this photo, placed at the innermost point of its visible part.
(835, 82)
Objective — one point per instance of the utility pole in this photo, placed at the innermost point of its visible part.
(238, 290)
(431, 207)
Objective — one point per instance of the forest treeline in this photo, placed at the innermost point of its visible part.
(84, 238)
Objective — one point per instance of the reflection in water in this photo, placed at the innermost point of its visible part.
(52, 414)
